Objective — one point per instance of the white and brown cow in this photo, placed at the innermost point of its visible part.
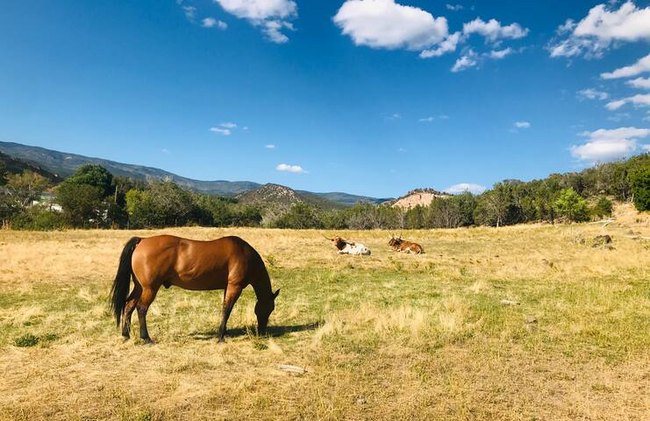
(350, 247)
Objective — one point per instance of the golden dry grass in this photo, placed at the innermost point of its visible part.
(390, 336)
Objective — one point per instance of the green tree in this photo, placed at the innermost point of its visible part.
(572, 206)
(452, 212)
(416, 217)
(247, 216)
(499, 206)
(334, 219)
(164, 204)
(20, 192)
(86, 199)
(93, 175)
(3, 174)
(215, 211)
(83, 205)
(640, 182)
(300, 216)
(26, 188)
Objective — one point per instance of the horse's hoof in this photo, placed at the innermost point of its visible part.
(221, 341)
(125, 338)
(148, 341)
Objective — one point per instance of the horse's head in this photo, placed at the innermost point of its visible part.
(263, 310)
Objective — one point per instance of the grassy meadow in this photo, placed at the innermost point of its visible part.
(389, 336)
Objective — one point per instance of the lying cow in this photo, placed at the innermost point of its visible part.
(403, 246)
(350, 247)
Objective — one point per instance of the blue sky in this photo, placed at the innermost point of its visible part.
(371, 97)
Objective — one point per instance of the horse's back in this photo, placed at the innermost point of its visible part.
(194, 264)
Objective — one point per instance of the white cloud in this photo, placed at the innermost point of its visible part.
(212, 22)
(165, 151)
(430, 119)
(386, 24)
(641, 66)
(270, 146)
(465, 187)
(448, 45)
(229, 125)
(394, 116)
(600, 29)
(646, 148)
(522, 124)
(290, 168)
(259, 10)
(608, 145)
(565, 28)
(219, 130)
(492, 30)
(618, 117)
(465, 62)
(454, 7)
(271, 15)
(638, 100)
(640, 83)
(591, 93)
(499, 54)
(272, 29)
(190, 12)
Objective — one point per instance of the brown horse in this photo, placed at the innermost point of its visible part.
(228, 263)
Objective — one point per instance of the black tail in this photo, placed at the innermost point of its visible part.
(122, 283)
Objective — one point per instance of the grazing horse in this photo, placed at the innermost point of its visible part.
(228, 263)
(401, 245)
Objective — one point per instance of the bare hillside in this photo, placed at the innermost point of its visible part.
(422, 197)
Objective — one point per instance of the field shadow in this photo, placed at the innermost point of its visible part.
(271, 331)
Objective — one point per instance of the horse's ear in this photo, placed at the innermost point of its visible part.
(276, 293)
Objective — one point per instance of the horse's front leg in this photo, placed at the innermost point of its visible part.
(230, 297)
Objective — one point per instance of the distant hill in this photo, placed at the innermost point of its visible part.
(17, 166)
(65, 164)
(62, 164)
(349, 199)
(421, 197)
(285, 197)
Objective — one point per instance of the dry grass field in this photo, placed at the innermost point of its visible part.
(389, 336)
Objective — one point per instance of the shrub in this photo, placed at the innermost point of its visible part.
(602, 208)
(640, 180)
(38, 218)
(26, 340)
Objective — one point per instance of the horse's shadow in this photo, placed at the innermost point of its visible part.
(271, 331)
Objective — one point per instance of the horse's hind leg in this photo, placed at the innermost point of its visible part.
(128, 309)
(230, 297)
(146, 298)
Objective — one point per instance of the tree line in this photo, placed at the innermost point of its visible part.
(93, 198)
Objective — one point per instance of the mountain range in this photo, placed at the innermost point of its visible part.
(62, 164)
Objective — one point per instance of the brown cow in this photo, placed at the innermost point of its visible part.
(403, 246)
